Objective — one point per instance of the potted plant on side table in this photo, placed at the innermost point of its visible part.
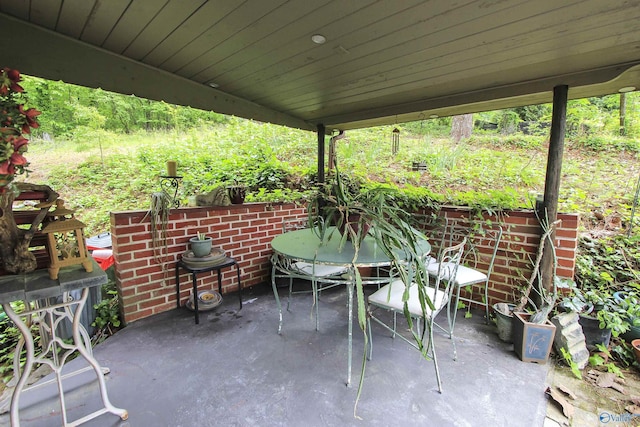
(201, 245)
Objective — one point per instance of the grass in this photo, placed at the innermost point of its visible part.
(106, 172)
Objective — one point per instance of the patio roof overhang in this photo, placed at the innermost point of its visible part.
(383, 62)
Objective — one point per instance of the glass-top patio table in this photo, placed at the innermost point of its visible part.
(305, 245)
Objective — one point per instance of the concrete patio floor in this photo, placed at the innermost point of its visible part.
(233, 369)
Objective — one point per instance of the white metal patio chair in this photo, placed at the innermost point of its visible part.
(397, 298)
(316, 274)
(476, 266)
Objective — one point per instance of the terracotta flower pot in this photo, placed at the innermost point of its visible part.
(636, 348)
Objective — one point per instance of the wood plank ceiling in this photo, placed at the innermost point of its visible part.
(383, 62)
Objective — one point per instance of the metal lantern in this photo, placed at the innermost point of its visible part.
(65, 240)
(395, 141)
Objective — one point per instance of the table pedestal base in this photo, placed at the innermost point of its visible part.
(56, 353)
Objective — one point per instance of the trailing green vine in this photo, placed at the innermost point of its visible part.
(107, 320)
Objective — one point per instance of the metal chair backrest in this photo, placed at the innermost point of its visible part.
(449, 260)
(292, 224)
(483, 242)
(435, 228)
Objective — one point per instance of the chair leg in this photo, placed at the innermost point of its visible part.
(486, 301)
(395, 323)
(452, 321)
(455, 350)
(433, 355)
(370, 353)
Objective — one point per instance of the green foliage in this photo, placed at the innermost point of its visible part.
(440, 127)
(611, 367)
(122, 144)
(605, 266)
(622, 353)
(608, 264)
(611, 319)
(69, 110)
(573, 365)
(596, 360)
(107, 313)
(534, 113)
(508, 122)
(508, 141)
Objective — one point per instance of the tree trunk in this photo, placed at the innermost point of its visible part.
(461, 127)
(14, 242)
(623, 113)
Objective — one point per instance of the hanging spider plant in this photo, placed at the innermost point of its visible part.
(342, 207)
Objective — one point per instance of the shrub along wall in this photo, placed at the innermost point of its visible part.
(145, 275)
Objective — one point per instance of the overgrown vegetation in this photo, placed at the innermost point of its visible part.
(107, 320)
(608, 276)
(103, 152)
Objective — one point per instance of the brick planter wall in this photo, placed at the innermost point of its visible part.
(145, 277)
(147, 286)
(518, 249)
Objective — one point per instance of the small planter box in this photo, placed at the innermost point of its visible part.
(532, 341)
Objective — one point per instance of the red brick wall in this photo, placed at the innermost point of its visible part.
(145, 277)
(518, 249)
(147, 286)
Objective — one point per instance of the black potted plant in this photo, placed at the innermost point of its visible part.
(237, 192)
(594, 318)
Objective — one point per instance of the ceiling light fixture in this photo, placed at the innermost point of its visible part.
(627, 89)
(318, 39)
(213, 84)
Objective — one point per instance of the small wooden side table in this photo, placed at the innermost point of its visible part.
(194, 276)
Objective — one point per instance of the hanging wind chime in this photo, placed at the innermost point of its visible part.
(395, 141)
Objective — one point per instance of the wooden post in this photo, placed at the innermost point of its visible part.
(320, 153)
(549, 208)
